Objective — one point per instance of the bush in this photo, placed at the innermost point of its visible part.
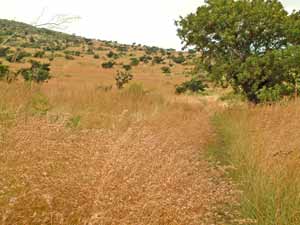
(39, 54)
(145, 59)
(127, 67)
(134, 62)
(4, 71)
(113, 55)
(193, 85)
(4, 51)
(122, 78)
(17, 56)
(157, 60)
(179, 59)
(108, 65)
(96, 56)
(73, 53)
(38, 72)
(166, 70)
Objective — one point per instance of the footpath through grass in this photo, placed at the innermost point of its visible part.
(259, 146)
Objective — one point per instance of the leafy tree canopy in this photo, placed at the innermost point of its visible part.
(243, 42)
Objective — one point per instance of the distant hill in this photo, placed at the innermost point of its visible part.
(27, 36)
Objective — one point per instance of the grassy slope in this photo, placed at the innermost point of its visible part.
(74, 153)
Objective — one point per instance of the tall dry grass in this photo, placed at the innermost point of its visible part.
(86, 156)
(262, 144)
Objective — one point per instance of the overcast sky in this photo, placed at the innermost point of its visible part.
(148, 22)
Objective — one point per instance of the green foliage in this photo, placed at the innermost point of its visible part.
(122, 78)
(39, 54)
(4, 51)
(194, 85)
(38, 72)
(166, 70)
(178, 59)
(74, 122)
(73, 53)
(4, 71)
(242, 42)
(127, 67)
(17, 56)
(108, 65)
(134, 62)
(96, 56)
(145, 59)
(157, 60)
(27, 36)
(113, 55)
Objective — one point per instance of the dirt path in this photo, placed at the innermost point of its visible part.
(154, 173)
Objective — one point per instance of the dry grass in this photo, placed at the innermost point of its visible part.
(262, 143)
(79, 155)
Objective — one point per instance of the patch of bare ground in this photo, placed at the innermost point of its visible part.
(153, 173)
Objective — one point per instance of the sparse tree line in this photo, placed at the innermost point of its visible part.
(18, 38)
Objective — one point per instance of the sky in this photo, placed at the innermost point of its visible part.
(149, 22)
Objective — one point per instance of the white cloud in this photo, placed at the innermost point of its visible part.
(126, 21)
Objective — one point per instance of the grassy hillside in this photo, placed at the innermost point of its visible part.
(76, 150)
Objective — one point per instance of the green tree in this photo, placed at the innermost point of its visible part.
(123, 78)
(134, 61)
(239, 41)
(38, 72)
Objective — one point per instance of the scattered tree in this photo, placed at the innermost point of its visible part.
(38, 72)
(123, 78)
(242, 43)
(108, 65)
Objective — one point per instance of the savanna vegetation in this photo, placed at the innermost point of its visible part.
(98, 132)
(252, 48)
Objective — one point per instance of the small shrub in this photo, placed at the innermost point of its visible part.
(39, 54)
(4, 71)
(127, 67)
(74, 122)
(108, 65)
(134, 62)
(123, 78)
(4, 51)
(17, 56)
(178, 59)
(194, 85)
(96, 56)
(166, 70)
(157, 60)
(145, 59)
(38, 72)
(111, 54)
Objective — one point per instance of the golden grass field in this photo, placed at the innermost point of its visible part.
(73, 153)
(76, 150)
